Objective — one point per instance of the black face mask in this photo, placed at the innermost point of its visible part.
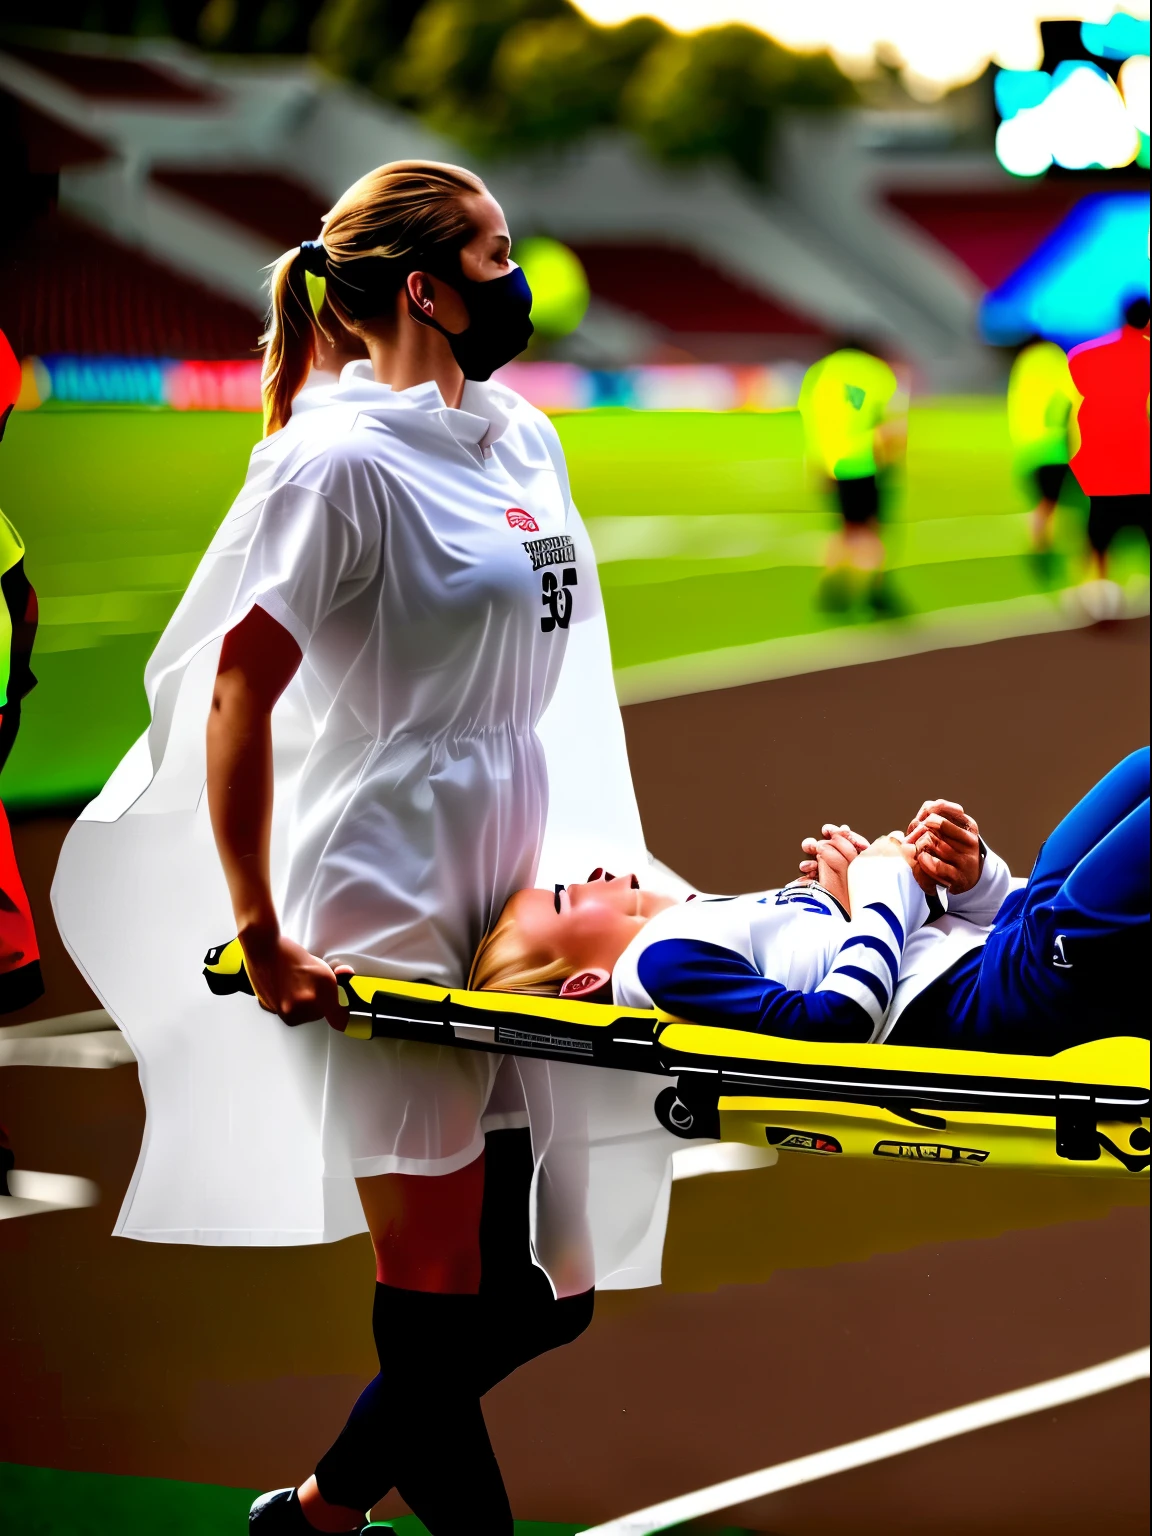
(499, 327)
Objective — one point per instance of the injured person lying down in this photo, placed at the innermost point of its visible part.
(918, 938)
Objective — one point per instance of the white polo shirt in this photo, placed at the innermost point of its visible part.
(420, 557)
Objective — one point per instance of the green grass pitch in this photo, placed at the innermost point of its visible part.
(116, 505)
(39, 1501)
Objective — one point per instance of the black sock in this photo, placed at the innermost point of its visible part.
(362, 1464)
(514, 1319)
(515, 1334)
(451, 1478)
(418, 1426)
(446, 1469)
(358, 1469)
(522, 1318)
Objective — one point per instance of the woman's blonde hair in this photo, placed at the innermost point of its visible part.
(396, 212)
(502, 964)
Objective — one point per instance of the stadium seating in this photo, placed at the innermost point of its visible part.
(73, 289)
(990, 230)
(272, 206)
(688, 296)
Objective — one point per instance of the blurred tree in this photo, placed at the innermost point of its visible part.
(237, 26)
(354, 38)
(503, 75)
(445, 69)
(557, 78)
(119, 18)
(256, 26)
(506, 76)
(716, 95)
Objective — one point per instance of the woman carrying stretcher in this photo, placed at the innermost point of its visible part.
(375, 636)
(861, 949)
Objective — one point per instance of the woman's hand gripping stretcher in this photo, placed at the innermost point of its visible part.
(291, 983)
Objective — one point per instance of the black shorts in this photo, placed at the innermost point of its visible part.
(859, 500)
(1108, 514)
(1049, 479)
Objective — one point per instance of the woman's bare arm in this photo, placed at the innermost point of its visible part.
(257, 662)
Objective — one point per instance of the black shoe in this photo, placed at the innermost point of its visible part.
(279, 1514)
(884, 600)
(836, 591)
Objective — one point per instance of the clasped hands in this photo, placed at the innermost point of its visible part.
(941, 845)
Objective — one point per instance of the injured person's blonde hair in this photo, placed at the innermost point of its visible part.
(502, 963)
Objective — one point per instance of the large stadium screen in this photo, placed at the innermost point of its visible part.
(1085, 109)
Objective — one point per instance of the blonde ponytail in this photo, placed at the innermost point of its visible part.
(288, 341)
(387, 219)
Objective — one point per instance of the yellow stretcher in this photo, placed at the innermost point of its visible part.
(1083, 1110)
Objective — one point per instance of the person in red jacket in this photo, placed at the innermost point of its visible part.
(20, 979)
(1111, 463)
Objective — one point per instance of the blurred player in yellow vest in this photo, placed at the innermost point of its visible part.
(854, 416)
(1041, 401)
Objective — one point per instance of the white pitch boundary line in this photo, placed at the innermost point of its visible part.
(855, 644)
(88, 1039)
(91, 1021)
(32, 1194)
(893, 1442)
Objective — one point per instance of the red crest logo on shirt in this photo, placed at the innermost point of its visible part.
(518, 518)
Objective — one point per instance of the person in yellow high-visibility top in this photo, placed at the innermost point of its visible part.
(1041, 402)
(854, 423)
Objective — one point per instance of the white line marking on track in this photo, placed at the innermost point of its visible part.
(34, 1193)
(721, 1157)
(762, 661)
(91, 1021)
(88, 1039)
(892, 1442)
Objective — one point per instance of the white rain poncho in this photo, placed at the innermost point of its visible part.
(412, 551)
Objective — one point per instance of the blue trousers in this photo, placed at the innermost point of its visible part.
(1067, 958)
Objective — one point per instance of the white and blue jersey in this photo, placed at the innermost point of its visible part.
(785, 962)
(936, 950)
(756, 962)
(1062, 960)
(1032, 967)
